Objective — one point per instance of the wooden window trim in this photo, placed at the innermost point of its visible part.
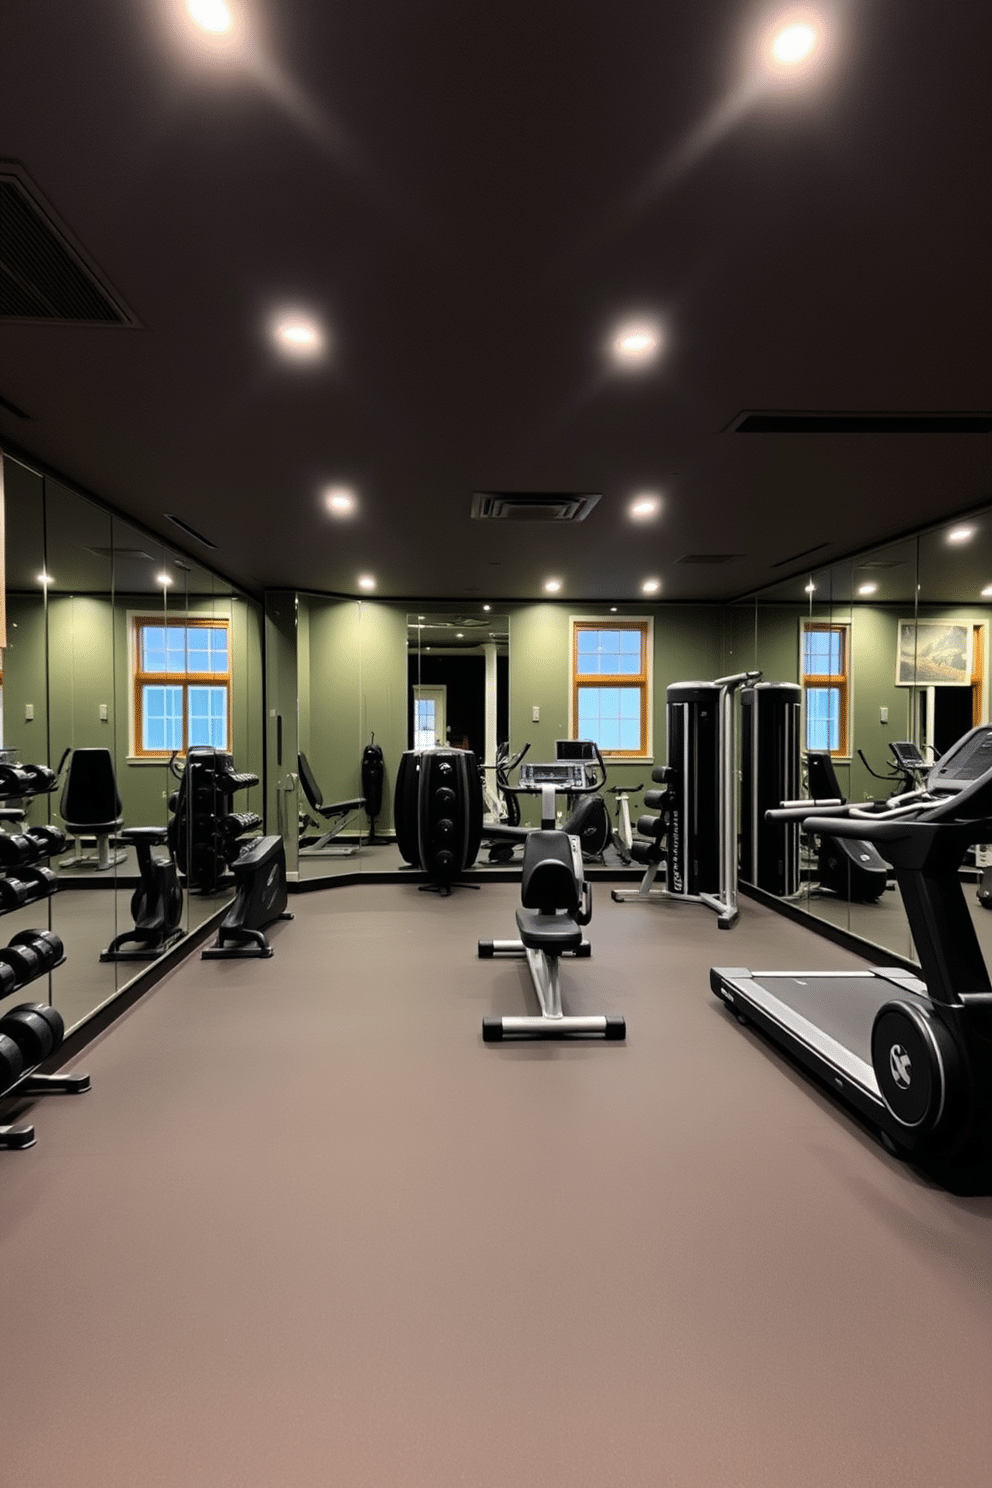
(639, 680)
(141, 679)
(840, 682)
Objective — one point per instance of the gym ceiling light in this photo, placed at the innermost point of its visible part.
(644, 506)
(650, 586)
(960, 534)
(366, 581)
(636, 344)
(551, 586)
(211, 15)
(340, 501)
(297, 336)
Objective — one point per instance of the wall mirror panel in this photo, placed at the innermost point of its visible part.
(91, 601)
(913, 619)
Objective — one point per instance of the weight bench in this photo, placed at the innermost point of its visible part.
(556, 902)
(335, 816)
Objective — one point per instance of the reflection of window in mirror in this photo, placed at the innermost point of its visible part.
(181, 693)
(825, 682)
(611, 684)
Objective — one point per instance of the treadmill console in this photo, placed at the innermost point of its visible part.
(563, 775)
(965, 764)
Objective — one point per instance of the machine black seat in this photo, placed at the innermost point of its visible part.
(550, 933)
(154, 836)
(548, 881)
(315, 796)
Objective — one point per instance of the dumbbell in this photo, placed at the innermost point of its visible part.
(13, 893)
(11, 1062)
(41, 779)
(45, 944)
(51, 840)
(17, 848)
(30, 954)
(39, 881)
(14, 781)
(35, 1028)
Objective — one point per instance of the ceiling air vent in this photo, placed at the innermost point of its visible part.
(789, 422)
(532, 506)
(709, 557)
(44, 275)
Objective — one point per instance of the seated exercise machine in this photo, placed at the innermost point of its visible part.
(698, 806)
(91, 806)
(156, 904)
(556, 903)
(335, 816)
(911, 1055)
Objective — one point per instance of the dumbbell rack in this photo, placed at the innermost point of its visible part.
(30, 1032)
(206, 832)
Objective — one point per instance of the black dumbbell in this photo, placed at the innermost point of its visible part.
(14, 781)
(45, 943)
(41, 779)
(35, 1028)
(24, 961)
(11, 1062)
(40, 881)
(13, 893)
(17, 848)
(51, 840)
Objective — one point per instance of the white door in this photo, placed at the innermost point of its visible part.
(430, 706)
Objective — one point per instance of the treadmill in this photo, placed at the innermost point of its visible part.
(911, 1054)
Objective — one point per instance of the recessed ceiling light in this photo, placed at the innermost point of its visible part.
(650, 586)
(867, 588)
(340, 501)
(637, 344)
(163, 578)
(552, 585)
(960, 534)
(793, 43)
(298, 336)
(44, 578)
(366, 581)
(811, 587)
(613, 609)
(644, 506)
(987, 591)
(211, 15)
(487, 607)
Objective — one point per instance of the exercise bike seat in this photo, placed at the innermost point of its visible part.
(153, 836)
(551, 893)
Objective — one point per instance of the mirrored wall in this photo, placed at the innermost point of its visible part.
(101, 662)
(889, 646)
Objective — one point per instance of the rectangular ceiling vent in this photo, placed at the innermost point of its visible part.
(790, 422)
(709, 557)
(532, 506)
(122, 553)
(44, 275)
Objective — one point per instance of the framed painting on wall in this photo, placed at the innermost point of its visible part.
(934, 653)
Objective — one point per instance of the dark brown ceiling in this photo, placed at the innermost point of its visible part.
(471, 196)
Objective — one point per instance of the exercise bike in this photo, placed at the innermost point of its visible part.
(156, 904)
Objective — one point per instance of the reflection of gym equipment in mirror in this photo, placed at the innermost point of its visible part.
(205, 833)
(911, 1056)
(588, 816)
(845, 866)
(29, 1034)
(697, 819)
(156, 904)
(91, 806)
(555, 906)
(334, 816)
(458, 661)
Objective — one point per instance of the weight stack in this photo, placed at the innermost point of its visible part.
(692, 856)
(770, 713)
(438, 810)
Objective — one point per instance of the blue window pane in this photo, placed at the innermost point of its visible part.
(608, 652)
(153, 648)
(823, 718)
(425, 729)
(611, 716)
(208, 716)
(822, 653)
(162, 718)
(206, 648)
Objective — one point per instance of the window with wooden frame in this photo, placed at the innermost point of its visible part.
(182, 684)
(611, 685)
(826, 652)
